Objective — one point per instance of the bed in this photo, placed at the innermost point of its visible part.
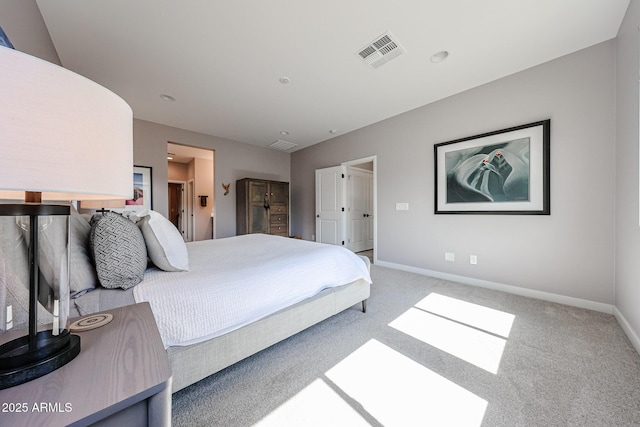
(226, 299)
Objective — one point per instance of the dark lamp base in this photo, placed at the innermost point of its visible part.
(19, 365)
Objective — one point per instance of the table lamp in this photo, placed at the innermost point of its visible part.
(102, 206)
(62, 138)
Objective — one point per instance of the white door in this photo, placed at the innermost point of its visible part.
(360, 209)
(191, 220)
(369, 221)
(329, 205)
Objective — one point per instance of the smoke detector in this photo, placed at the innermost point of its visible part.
(380, 51)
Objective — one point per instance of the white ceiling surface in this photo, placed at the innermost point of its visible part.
(221, 60)
(185, 153)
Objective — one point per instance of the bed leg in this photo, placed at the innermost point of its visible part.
(364, 306)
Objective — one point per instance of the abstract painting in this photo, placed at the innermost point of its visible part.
(4, 40)
(141, 195)
(501, 172)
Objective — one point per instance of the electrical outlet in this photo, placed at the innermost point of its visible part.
(313, 237)
(473, 259)
(402, 206)
(449, 256)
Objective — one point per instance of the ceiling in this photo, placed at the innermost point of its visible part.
(184, 154)
(222, 61)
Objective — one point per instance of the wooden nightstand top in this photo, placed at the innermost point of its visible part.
(120, 364)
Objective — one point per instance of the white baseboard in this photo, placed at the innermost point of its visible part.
(626, 327)
(546, 296)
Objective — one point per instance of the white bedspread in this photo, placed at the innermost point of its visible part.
(238, 280)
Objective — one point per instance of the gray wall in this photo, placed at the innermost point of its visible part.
(570, 252)
(627, 215)
(25, 27)
(233, 160)
(23, 23)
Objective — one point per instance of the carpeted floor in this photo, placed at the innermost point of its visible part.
(430, 352)
(368, 254)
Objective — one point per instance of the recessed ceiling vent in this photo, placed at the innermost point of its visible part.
(381, 50)
(283, 145)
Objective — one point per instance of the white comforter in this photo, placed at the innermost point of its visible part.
(238, 280)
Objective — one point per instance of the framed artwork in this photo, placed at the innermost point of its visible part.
(4, 40)
(142, 189)
(500, 172)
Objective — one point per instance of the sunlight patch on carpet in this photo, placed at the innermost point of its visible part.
(471, 345)
(397, 391)
(471, 332)
(315, 405)
(475, 315)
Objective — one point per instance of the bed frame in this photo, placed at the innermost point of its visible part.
(193, 363)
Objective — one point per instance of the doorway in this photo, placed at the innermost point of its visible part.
(346, 206)
(190, 175)
(176, 206)
(360, 208)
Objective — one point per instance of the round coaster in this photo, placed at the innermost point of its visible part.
(91, 322)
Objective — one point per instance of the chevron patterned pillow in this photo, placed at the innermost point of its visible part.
(118, 249)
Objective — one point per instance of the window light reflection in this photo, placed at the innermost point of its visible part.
(315, 405)
(398, 391)
(471, 345)
(485, 318)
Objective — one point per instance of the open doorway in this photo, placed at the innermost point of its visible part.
(346, 206)
(176, 205)
(361, 206)
(191, 191)
(360, 213)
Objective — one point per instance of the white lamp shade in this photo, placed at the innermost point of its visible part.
(61, 134)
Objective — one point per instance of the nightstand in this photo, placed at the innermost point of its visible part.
(121, 377)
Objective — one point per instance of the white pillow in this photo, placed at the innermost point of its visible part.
(165, 245)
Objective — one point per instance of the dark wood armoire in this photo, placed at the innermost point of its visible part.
(262, 206)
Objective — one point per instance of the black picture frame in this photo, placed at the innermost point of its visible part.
(4, 40)
(504, 172)
(142, 194)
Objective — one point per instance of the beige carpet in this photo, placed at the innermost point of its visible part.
(431, 352)
(368, 254)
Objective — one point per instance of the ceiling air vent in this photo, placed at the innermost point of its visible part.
(283, 145)
(382, 50)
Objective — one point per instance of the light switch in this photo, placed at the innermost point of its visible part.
(402, 206)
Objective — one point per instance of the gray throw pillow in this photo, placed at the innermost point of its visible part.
(14, 279)
(118, 249)
(53, 239)
(82, 274)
